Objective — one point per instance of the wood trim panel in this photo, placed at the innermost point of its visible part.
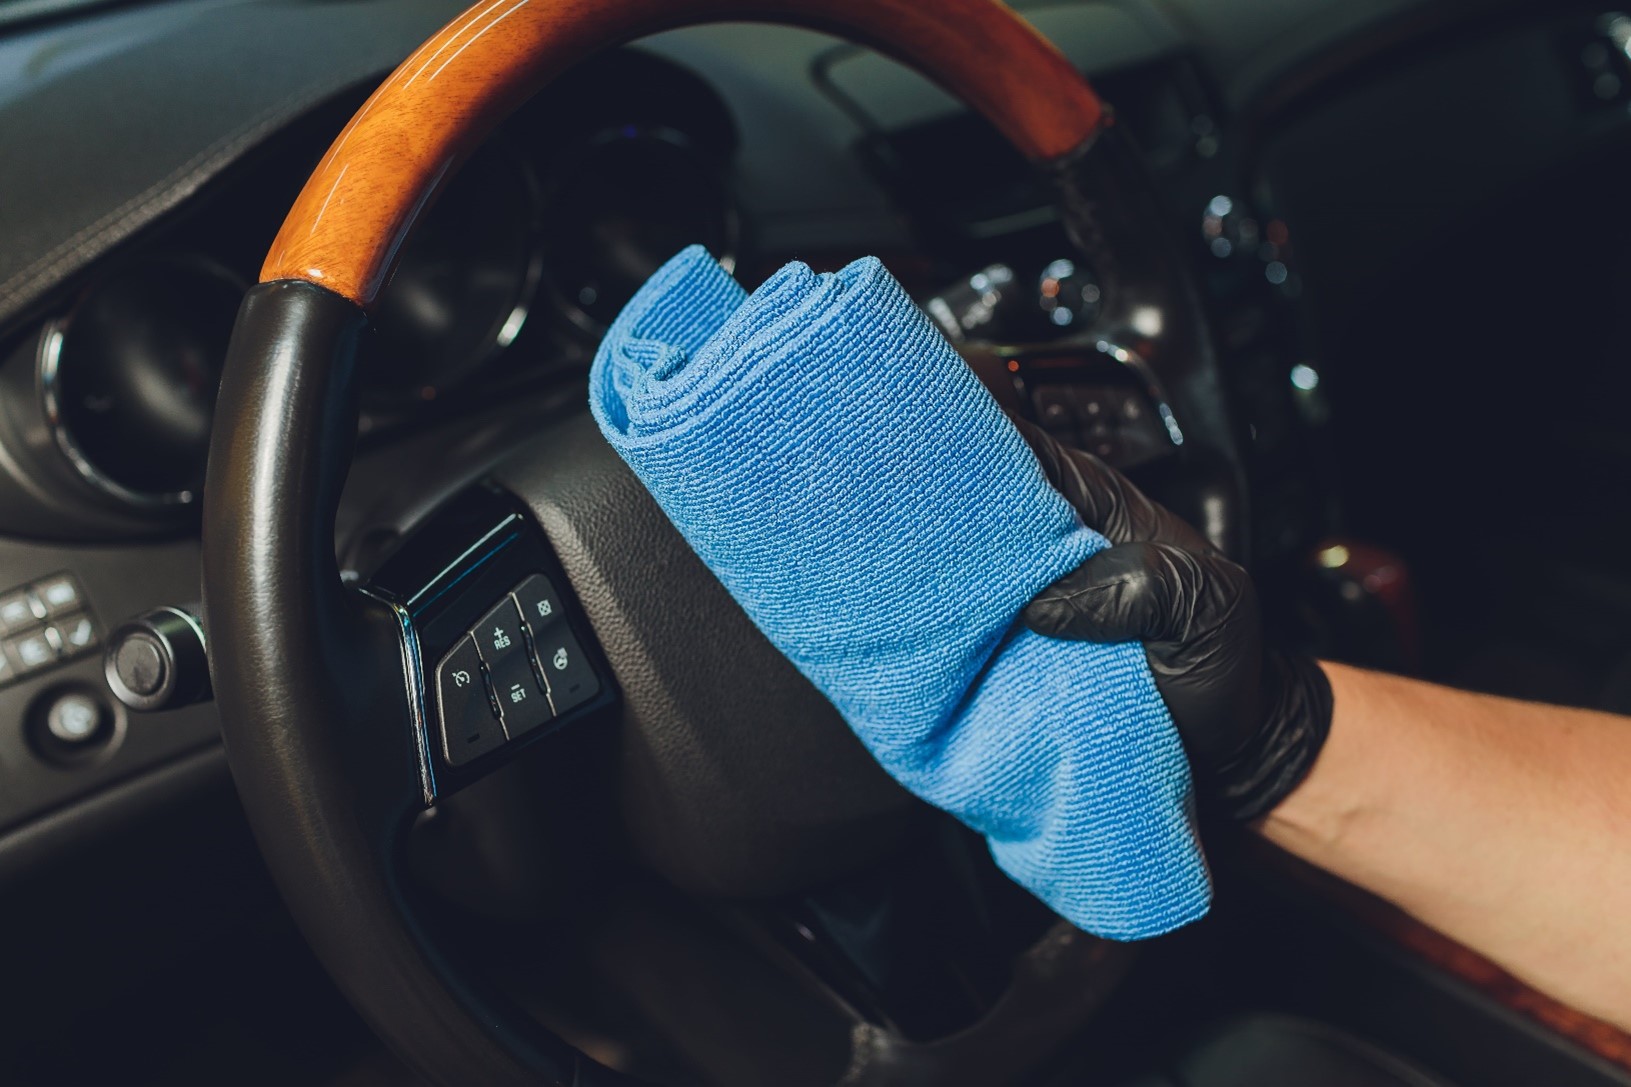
(1588, 1032)
(1600, 1038)
(349, 222)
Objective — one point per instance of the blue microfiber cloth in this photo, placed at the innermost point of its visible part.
(865, 500)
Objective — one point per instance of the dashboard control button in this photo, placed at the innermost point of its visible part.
(139, 662)
(1069, 294)
(1130, 406)
(158, 660)
(1054, 409)
(539, 603)
(469, 728)
(59, 594)
(1092, 403)
(20, 610)
(33, 651)
(571, 681)
(77, 634)
(1102, 443)
(522, 703)
(75, 718)
(8, 671)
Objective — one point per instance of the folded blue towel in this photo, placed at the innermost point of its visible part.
(865, 500)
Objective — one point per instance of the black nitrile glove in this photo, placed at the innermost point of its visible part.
(1252, 720)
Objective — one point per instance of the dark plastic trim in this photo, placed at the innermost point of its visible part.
(51, 836)
(1111, 211)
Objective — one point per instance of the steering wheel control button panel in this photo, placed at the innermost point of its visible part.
(469, 725)
(503, 644)
(507, 655)
(45, 624)
(560, 659)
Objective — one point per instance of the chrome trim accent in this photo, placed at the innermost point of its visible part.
(191, 620)
(517, 319)
(48, 360)
(413, 674)
(471, 550)
(1152, 384)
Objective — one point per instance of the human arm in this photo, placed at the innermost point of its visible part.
(1505, 825)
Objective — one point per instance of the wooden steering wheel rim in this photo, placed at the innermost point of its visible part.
(348, 224)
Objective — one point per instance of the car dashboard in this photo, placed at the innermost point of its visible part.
(1330, 174)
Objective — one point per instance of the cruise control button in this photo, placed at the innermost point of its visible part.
(59, 594)
(469, 728)
(504, 649)
(19, 610)
(571, 681)
(539, 603)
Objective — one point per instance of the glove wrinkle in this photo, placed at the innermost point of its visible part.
(1105, 499)
(1252, 722)
(1274, 761)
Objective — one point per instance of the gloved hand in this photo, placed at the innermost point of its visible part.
(1252, 720)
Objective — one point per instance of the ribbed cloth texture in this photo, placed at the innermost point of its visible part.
(865, 500)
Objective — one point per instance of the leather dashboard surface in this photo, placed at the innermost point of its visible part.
(113, 121)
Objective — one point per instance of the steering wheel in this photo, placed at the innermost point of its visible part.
(738, 778)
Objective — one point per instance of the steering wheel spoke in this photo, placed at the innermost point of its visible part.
(494, 653)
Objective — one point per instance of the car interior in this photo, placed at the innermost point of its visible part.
(1336, 282)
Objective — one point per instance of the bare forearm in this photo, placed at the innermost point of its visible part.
(1505, 825)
